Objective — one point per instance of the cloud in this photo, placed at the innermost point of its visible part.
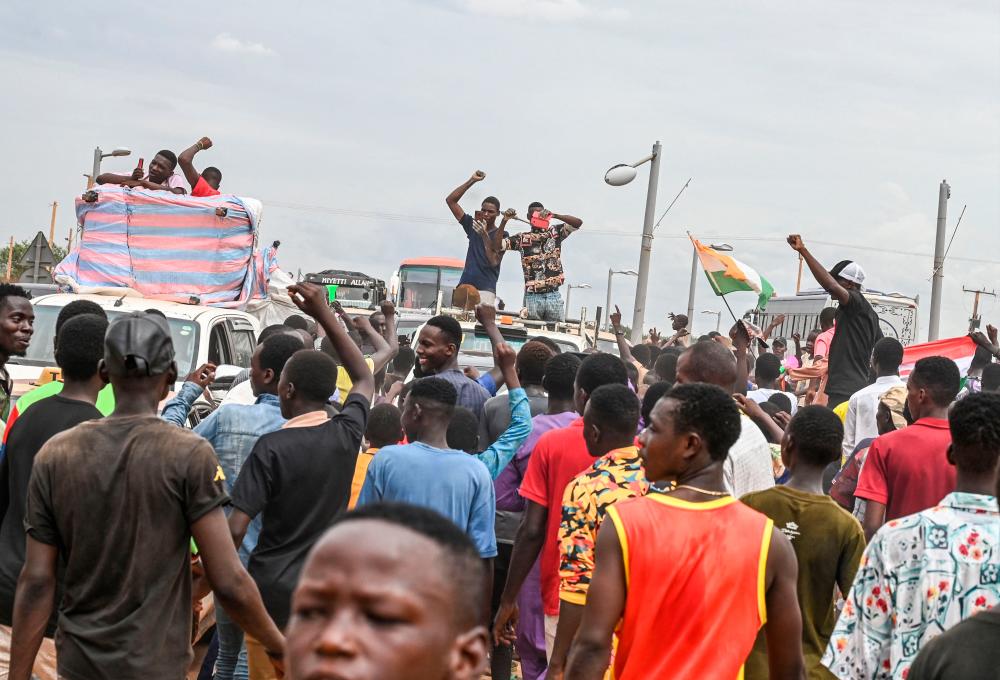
(549, 10)
(226, 42)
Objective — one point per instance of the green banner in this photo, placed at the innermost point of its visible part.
(331, 292)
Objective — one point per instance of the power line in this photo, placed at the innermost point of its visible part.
(588, 230)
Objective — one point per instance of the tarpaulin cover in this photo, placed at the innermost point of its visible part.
(169, 246)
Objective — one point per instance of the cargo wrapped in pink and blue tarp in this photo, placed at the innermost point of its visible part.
(170, 247)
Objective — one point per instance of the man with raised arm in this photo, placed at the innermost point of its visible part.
(205, 183)
(482, 265)
(857, 324)
(541, 260)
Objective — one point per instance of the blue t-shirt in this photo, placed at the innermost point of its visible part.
(451, 482)
(478, 272)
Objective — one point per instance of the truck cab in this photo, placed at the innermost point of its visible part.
(225, 337)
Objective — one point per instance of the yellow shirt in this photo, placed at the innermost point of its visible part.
(344, 383)
(360, 471)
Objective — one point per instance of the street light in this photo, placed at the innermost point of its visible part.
(569, 291)
(99, 156)
(620, 175)
(718, 318)
(722, 247)
(607, 309)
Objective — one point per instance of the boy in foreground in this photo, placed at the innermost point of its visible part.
(407, 605)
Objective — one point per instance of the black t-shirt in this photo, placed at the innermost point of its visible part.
(298, 479)
(853, 342)
(968, 650)
(41, 422)
(118, 497)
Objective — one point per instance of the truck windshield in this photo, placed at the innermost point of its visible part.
(41, 352)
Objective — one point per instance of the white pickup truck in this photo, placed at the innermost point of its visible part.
(225, 337)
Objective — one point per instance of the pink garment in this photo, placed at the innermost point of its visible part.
(823, 341)
(175, 181)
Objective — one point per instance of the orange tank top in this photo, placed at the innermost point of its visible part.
(695, 586)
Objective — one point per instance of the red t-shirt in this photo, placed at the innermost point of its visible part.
(908, 470)
(558, 457)
(202, 189)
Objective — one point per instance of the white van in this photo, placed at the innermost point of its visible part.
(897, 314)
(225, 337)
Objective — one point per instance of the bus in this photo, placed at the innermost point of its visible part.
(421, 282)
(897, 314)
(353, 290)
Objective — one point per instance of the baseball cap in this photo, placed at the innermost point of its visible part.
(138, 344)
(851, 271)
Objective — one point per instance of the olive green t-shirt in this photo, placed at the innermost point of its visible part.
(828, 542)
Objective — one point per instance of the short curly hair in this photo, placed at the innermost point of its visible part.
(313, 374)
(79, 356)
(384, 426)
(463, 430)
(560, 374)
(975, 432)
(940, 377)
(818, 435)
(653, 394)
(600, 369)
(614, 408)
(12, 290)
(450, 327)
(530, 362)
(767, 367)
(434, 393)
(711, 413)
(277, 349)
(666, 366)
(641, 354)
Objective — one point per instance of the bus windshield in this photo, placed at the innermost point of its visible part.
(419, 285)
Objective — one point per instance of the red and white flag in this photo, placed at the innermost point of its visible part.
(960, 350)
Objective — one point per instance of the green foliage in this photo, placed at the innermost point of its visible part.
(20, 248)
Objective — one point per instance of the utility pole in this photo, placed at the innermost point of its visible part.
(639, 312)
(975, 320)
(10, 258)
(937, 275)
(52, 226)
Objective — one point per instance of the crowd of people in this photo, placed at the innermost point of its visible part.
(705, 507)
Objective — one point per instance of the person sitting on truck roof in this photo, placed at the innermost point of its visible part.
(481, 269)
(857, 324)
(161, 175)
(204, 184)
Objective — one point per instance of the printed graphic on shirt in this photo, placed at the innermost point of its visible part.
(541, 257)
(791, 531)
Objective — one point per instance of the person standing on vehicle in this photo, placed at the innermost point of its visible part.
(857, 324)
(481, 268)
(541, 260)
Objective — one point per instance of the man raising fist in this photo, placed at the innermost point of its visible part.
(204, 184)
(481, 271)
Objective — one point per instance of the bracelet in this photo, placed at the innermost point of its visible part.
(199, 145)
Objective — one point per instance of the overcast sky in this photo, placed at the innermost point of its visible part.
(353, 120)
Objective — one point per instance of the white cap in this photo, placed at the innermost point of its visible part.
(853, 273)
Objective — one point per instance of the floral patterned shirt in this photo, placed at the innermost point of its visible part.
(613, 477)
(541, 256)
(920, 575)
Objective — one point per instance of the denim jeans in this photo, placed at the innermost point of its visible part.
(545, 306)
(231, 663)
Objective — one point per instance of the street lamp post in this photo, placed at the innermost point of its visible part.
(607, 306)
(718, 318)
(569, 291)
(98, 157)
(623, 174)
(722, 247)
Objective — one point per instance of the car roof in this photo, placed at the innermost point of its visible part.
(126, 303)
